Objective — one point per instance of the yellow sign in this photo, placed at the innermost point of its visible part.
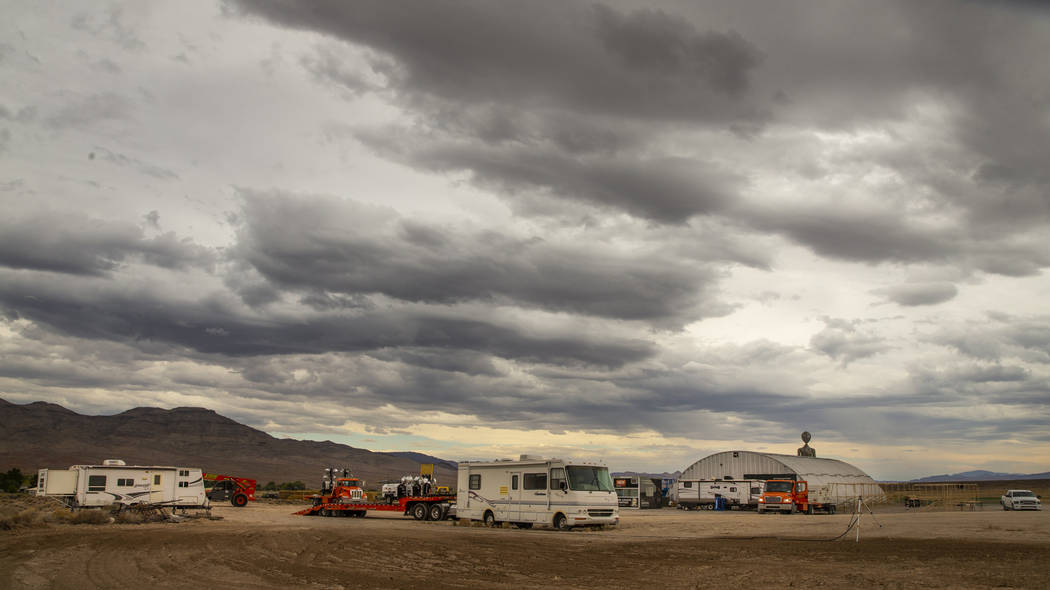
(503, 491)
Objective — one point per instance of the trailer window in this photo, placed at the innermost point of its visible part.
(535, 481)
(96, 483)
(687, 484)
(156, 480)
(475, 482)
(184, 473)
(184, 484)
(125, 483)
(557, 477)
(514, 481)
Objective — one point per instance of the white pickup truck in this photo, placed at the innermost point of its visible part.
(1020, 500)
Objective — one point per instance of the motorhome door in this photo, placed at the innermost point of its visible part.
(514, 496)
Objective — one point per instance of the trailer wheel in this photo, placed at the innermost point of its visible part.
(436, 511)
(832, 509)
(239, 500)
(809, 509)
(490, 519)
(419, 511)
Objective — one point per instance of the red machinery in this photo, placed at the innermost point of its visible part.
(343, 495)
(238, 490)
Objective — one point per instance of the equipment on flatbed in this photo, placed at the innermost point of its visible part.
(238, 490)
(343, 495)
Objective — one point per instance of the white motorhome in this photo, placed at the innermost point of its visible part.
(114, 482)
(701, 494)
(534, 490)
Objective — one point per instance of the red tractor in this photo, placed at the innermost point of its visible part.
(238, 490)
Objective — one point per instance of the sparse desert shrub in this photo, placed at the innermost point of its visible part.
(130, 517)
(21, 518)
(89, 516)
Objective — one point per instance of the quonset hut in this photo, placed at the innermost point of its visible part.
(837, 479)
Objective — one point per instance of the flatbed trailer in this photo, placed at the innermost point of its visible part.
(432, 507)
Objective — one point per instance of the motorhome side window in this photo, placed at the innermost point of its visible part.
(96, 483)
(475, 481)
(125, 483)
(184, 484)
(535, 481)
(514, 482)
(557, 477)
(184, 473)
(156, 480)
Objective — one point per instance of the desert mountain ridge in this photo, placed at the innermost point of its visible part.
(41, 434)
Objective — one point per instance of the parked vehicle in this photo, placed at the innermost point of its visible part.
(342, 494)
(115, 482)
(238, 490)
(703, 494)
(534, 490)
(1020, 500)
(791, 496)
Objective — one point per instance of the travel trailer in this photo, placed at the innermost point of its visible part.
(534, 490)
(702, 494)
(114, 482)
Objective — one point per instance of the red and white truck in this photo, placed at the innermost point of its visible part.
(790, 496)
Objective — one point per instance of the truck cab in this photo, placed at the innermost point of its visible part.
(784, 495)
(349, 488)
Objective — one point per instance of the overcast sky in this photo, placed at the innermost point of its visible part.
(637, 231)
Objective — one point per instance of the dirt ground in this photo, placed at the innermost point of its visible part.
(265, 546)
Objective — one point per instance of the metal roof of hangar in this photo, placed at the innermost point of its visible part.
(745, 464)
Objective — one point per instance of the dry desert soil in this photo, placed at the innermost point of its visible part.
(266, 546)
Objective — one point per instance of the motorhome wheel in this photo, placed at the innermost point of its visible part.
(490, 519)
(560, 522)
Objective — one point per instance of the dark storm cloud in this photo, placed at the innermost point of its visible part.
(661, 188)
(66, 243)
(213, 325)
(912, 294)
(587, 58)
(348, 248)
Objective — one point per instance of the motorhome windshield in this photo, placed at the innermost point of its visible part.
(778, 486)
(589, 479)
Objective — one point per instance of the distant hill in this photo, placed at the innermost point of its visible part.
(981, 475)
(423, 458)
(41, 434)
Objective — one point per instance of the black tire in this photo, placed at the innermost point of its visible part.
(490, 519)
(436, 511)
(560, 522)
(239, 500)
(832, 509)
(419, 511)
(809, 509)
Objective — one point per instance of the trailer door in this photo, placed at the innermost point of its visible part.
(156, 487)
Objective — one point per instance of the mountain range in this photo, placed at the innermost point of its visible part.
(40, 434)
(981, 475)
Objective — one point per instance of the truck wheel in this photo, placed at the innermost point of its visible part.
(436, 512)
(809, 509)
(419, 511)
(1005, 508)
(560, 522)
(239, 500)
